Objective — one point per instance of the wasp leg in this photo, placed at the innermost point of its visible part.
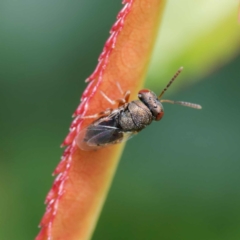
(126, 94)
(119, 88)
(120, 101)
(98, 115)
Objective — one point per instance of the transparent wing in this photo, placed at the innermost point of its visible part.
(97, 136)
(109, 117)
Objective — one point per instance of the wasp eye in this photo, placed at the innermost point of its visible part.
(143, 91)
(159, 116)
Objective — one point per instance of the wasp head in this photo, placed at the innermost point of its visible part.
(150, 99)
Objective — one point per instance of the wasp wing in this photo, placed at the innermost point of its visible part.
(97, 136)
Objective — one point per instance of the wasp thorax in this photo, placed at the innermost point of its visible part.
(150, 99)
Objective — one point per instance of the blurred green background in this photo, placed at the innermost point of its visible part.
(178, 179)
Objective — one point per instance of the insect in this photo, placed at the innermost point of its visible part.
(118, 125)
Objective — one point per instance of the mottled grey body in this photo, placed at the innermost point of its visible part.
(134, 117)
(114, 126)
(123, 122)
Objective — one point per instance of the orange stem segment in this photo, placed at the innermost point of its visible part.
(79, 190)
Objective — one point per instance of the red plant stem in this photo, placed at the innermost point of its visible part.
(79, 190)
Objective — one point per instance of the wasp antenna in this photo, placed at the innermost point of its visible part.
(170, 82)
(185, 104)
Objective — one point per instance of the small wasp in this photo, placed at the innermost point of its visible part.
(115, 126)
